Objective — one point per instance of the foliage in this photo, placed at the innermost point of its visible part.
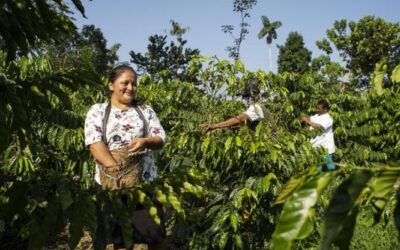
(46, 182)
(331, 71)
(242, 7)
(324, 45)
(85, 48)
(91, 38)
(220, 189)
(45, 160)
(166, 61)
(177, 30)
(293, 56)
(269, 29)
(172, 59)
(370, 236)
(24, 23)
(370, 187)
(365, 43)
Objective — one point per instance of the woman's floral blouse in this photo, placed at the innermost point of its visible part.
(122, 128)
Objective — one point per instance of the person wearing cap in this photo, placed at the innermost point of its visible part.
(252, 116)
(323, 120)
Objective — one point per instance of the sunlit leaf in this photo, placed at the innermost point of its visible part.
(296, 218)
(383, 186)
(290, 187)
(395, 77)
(342, 211)
(378, 75)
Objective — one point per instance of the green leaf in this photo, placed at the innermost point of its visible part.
(239, 65)
(173, 200)
(223, 239)
(307, 228)
(238, 241)
(383, 186)
(342, 211)
(228, 144)
(78, 4)
(262, 185)
(378, 75)
(195, 175)
(140, 196)
(295, 221)
(205, 144)
(234, 221)
(238, 141)
(291, 186)
(395, 77)
(161, 197)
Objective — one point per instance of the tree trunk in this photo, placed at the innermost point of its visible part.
(270, 57)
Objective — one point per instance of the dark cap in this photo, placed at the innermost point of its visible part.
(250, 90)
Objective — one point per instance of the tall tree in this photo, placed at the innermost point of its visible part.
(269, 32)
(365, 43)
(331, 71)
(293, 56)
(92, 38)
(88, 46)
(160, 56)
(242, 7)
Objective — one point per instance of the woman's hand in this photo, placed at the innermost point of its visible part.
(137, 145)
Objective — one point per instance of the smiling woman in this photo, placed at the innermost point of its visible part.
(120, 135)
(130, 126)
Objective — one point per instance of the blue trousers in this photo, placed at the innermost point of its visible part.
(329, 166)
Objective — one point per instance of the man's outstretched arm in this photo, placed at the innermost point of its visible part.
(236, 120)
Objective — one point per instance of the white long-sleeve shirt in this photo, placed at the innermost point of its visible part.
(326, 138)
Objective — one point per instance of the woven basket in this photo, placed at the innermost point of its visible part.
(125, 174)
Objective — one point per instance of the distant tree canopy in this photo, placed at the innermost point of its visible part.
(92, 38)
(365, 43)
(88, 47)
(160, 56)
(293, 56)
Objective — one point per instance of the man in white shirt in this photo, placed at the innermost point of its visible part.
(323, 120)
(254, 114)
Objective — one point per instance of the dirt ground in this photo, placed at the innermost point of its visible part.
(84, 244)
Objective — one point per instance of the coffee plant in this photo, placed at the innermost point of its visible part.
(227, 189)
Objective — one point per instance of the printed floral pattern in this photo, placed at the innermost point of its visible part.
(123, 127)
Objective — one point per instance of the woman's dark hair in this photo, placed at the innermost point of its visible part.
(324, 103)
(119, 70)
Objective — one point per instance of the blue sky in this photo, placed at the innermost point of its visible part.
(131, 22)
